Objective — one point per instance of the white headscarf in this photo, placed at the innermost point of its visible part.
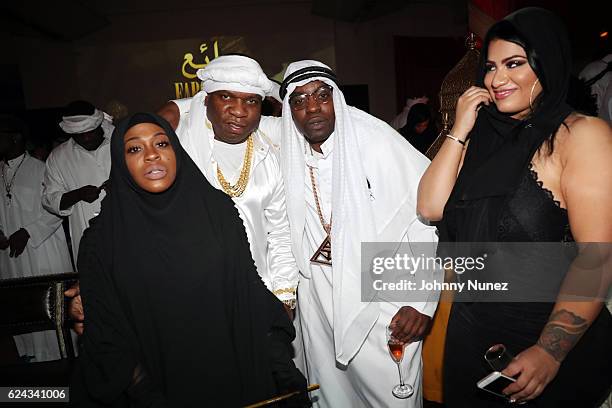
(235, 73)
(360, 140)
(84, 123)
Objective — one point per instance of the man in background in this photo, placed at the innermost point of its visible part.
(77, 169)
(32, 242)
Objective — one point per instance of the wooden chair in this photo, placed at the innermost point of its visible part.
(34, 304)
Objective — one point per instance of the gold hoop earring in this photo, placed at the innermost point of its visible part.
(531, 94)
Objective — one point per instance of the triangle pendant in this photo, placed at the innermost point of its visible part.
(323, 255)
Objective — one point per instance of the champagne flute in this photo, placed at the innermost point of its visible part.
(396, 350)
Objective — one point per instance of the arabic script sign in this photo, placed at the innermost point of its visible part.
(190, 68)
(188, 63)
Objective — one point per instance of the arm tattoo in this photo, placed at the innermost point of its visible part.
(561, 333)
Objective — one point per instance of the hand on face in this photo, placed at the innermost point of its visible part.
(149, 157)
(467, 110)
(233, 115)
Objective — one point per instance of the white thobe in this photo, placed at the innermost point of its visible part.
(70, 166)
(46, 252)
(368, 379)
(262, 205)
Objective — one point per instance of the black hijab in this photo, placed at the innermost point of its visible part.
(501, 147)
(170, 290)
(421, 141)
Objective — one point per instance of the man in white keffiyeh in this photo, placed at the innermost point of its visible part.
(339, 160)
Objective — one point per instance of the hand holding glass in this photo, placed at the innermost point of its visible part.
(396, 350)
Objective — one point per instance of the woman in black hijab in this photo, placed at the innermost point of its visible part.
(521, 166)
(419, 131)
(177, 315)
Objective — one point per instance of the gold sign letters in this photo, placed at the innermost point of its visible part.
(189, 69)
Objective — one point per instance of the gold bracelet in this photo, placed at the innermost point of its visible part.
(456, 139)
(285, 290)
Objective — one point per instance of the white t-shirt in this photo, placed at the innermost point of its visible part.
(229, 158)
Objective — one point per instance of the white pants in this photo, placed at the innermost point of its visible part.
(370, 376)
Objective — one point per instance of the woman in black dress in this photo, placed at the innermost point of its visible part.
(177, 315)
(521, 166)
(420, 130)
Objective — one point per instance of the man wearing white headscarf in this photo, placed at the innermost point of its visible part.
(339, 160)
(77, 169)
(220, 129)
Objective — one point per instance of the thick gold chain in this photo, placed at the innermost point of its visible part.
(326, 227)
(237, 189)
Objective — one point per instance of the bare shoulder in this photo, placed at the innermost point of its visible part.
(587, 129)
(585, 180)
(584, 134)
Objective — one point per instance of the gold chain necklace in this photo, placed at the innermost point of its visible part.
(322, 255)
(326, 226)
(237, 189)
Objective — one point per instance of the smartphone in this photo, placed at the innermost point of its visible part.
(495, 383)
